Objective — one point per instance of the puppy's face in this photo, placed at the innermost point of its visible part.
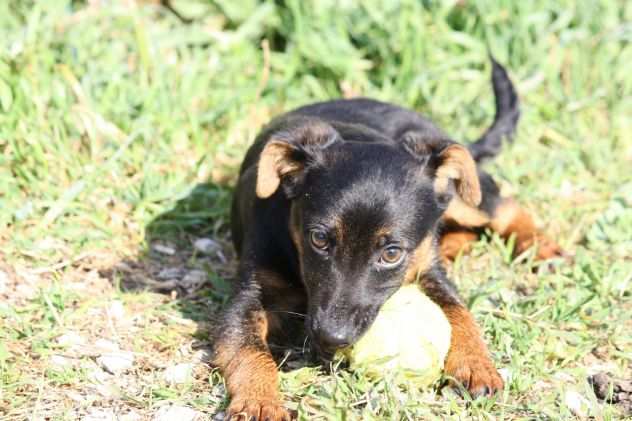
(359, 225)
(362, 219)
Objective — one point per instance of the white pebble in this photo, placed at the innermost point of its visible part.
(116, 310)
(116, 362)
(130, 416)
(175, 413)
(76, 396)
(170, 273)
(179, 373)
(98, 414)
(70, 339)
(578, 404)
(59, 361)
(203, 355)
(506, 374)
(26, 291)
(194, 279)
(206, 246)
(564, 377)
(104, 345)
(164, 249)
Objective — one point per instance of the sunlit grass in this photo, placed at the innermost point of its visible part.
(119, 125)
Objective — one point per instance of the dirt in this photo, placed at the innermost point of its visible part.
(613, 390)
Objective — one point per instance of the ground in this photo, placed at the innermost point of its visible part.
(121, 131)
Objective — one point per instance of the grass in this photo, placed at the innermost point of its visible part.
(121, 129)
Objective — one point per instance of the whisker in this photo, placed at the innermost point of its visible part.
(386, 288)
(287, 312)
(305, 344)
(285, 358)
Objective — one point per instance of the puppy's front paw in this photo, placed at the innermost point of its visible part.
(257, 410)
(474, 372)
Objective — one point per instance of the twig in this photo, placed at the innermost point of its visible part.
(265, 74)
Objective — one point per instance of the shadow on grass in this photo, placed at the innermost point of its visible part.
(204, 212)
(199, 277)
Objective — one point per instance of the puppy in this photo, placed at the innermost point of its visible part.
(338, 205)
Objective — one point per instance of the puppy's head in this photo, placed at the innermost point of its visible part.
(363, 215)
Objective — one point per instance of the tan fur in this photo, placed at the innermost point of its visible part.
(295, 234)
(250, 374)
(459, 166)
(510, 219)
(382, 232)
(261, 320)
(468, 359)
(420, 261)
(506, 215)
(339, 227)
(252, 377)
(453, 243)
(459, 213)
(274, 163)
(275, 160)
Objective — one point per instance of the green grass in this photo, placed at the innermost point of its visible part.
(121, 127)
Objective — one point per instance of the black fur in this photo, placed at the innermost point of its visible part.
(366, 176)
(361, 175)
(506, 119)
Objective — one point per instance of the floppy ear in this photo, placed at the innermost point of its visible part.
(452, 164)
(457, 166)
(275, 162)
(286, 156)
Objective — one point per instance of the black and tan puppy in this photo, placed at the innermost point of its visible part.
(338, 205)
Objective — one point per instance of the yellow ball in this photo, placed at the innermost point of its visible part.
(409, 338)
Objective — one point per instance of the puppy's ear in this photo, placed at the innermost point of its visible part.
(457, 166)
(287, 155)
(451, 165)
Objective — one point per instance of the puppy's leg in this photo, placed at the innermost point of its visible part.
(468, 359)
(454, 242)
(502, 215)
(242, 354)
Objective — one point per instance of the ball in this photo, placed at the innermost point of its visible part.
(409, 339)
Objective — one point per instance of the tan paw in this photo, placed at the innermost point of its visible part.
(257, 410)
(476, 373)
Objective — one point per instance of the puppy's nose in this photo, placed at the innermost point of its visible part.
(333, 339)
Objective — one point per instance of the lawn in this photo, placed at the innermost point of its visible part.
(121, 132)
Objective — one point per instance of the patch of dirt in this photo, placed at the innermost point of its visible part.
(176, 270)
(613, 390)
(154, 350)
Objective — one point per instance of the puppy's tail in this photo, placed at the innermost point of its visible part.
(505, 120)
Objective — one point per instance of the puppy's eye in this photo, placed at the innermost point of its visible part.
(319, 239)
(391, 256)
